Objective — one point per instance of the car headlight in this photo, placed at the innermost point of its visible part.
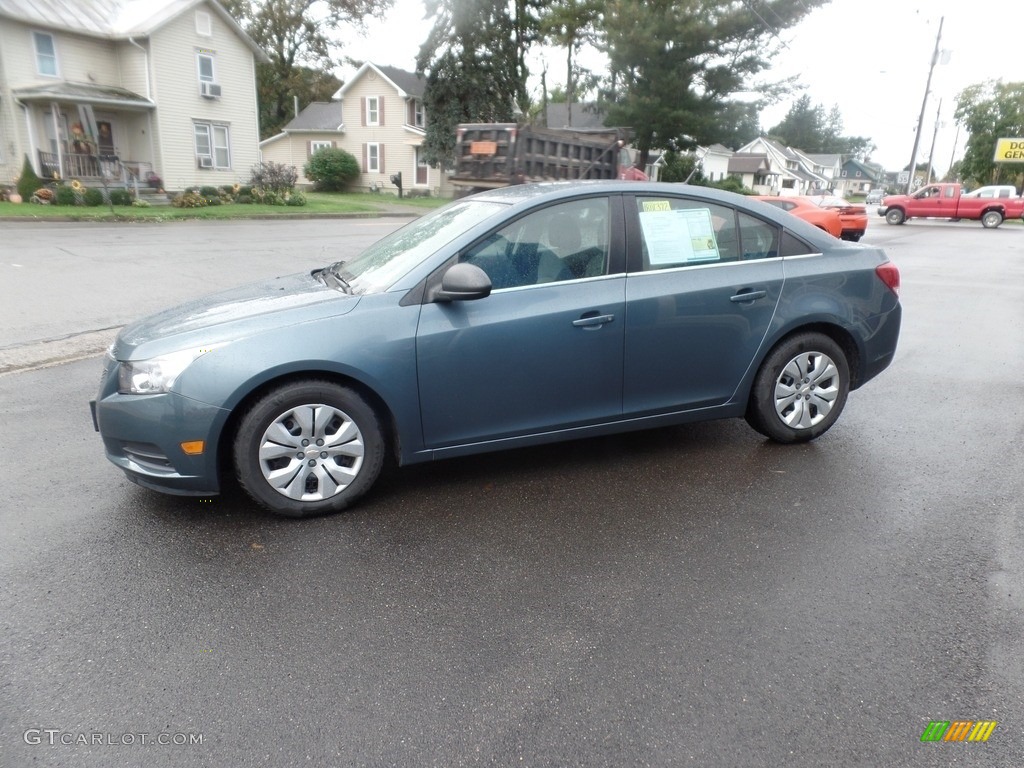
(156, 375)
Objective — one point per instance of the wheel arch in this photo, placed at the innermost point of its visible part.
(229, 430)
(837, 333)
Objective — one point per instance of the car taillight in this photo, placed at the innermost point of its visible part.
(889, 274)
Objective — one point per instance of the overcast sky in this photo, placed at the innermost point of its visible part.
(870, 57)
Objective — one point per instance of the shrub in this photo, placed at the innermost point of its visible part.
(44, 196)
(93, 197)
(276, 177)
(65, 196)
(295, 199)
(28, 182)
(244, 199)
(140, 203)
(189, 199)
(332, 169)
(120, 197)
(209, 192)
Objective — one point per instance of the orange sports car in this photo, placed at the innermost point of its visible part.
(854, 217)
(808, 210)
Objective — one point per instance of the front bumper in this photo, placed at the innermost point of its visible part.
(142, 435)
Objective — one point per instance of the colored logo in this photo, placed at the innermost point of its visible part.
(959, 730)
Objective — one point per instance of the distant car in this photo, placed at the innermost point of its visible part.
(808, 209)
(854, 217)
(874, 197)
(514, 317)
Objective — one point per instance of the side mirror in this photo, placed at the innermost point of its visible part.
(463, 282)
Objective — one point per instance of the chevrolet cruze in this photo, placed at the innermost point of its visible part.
(510, 318)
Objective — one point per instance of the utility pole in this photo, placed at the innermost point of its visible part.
(924, 104)
(935, 133)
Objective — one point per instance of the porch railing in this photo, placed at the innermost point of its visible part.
(95, 168)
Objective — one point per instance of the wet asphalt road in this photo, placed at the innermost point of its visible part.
(687, 596)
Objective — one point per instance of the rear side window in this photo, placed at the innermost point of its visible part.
(680, 232)
(793, 246)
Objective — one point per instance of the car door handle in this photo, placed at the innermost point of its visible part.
(748, 295)
(592, 321)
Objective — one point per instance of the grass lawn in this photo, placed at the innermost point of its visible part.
(318, 204)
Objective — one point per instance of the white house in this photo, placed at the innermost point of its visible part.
(378, 117)
(791, 172)
(127, 89)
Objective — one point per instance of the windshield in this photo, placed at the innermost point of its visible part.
(384, 262)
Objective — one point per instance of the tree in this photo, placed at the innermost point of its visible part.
(806, 127)
(989, 111)
(295, 35)
(474, 70)
(676, 64)
(571, 24)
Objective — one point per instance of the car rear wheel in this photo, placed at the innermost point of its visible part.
(800, 389)
(308, 448)
(895, 216)
(991, 219)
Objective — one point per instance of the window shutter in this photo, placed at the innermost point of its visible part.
(380, 110)
(380, 157)
(410, 113)
(362, 110)
(309, 149)
(366, 161)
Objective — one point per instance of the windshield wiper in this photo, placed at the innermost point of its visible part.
(332, 275)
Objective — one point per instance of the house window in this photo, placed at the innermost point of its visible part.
(421, 168)
(373, 110)
(203, 25)
(373, 164)
(316, 146)
(204, 61)
(417, 114)
(213, 145)
(46, 54)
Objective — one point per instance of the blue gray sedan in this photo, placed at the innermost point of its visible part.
(514, 317)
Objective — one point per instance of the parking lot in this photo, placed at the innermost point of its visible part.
(686, 596)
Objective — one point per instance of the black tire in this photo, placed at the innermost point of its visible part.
(895, 216)
(991, 219)
(293, 477)
(796, 415)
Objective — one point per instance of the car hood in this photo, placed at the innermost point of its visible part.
(233, 314)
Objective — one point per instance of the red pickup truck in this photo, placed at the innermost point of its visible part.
(945, 201)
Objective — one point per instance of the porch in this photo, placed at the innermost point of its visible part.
(94, 168)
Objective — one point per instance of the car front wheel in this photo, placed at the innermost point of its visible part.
(800, 389)
(895, 216)
(308, 448)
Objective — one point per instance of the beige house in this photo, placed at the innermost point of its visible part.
(377, 117)
(127, 90)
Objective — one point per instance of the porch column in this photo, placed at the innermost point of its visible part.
(55, 116)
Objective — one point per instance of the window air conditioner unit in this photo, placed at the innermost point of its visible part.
(209, 90)
(206, 161)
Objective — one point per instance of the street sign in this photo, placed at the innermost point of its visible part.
(903, 178)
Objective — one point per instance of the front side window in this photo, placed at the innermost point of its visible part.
(560, 242)
(46, 54)
(316, 146)
(372, 110)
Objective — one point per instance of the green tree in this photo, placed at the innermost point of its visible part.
(808, 128)
(571, 24)
(676, 64)
(473, 68)
(296, 36)
(989, 111)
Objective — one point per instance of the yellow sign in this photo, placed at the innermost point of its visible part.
(1009, 151)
